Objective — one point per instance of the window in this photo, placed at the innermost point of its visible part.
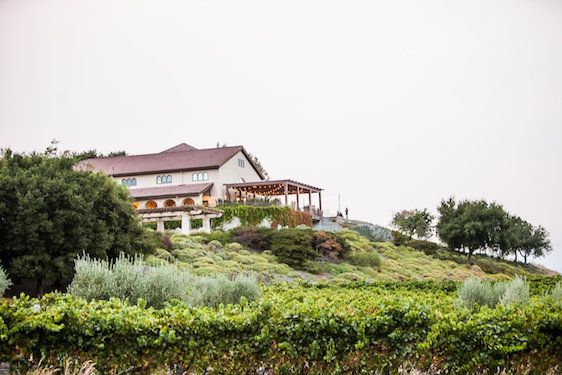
(201, 176)
(241, 163)
(164, 179)
(129, 182)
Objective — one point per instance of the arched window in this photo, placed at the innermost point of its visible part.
(188, 202)
(159, 179)
(133, 181)
(169, 179)
(194, 177)
(169, 203)
(199, 176)
(205, 176)
(135, 205)
(123, 182)
(150, 204)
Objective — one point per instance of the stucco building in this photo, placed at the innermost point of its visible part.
(170, 184)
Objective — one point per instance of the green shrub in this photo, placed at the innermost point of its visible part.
(294, 247)
(254, 238)
(330, 245)
(514, 291)
(399, 238)
(234, 247)
(366, 259)
(214, 246)
(426, 246)
(476, 292)
(223, 237)
(5, 282)
(216, 290)
(163, 254)
(556, 293)
(128, 279)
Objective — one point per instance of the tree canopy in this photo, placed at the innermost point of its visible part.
(51, 213)
(414, 222)
(479, 226)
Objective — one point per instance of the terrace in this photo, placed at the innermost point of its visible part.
(278, 191)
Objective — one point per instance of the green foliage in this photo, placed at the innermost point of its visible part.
(515, 291)
(355, 328)
(128, 279)
(556, 293)
(5, 282)
(414, 222)
(374, 233)
(51, 213)
(254, 238)
(294, 247)
(426, 246)
(330, 245)
(476, 292)
(366, 259)
(213, 291)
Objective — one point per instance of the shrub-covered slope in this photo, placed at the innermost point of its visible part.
(357, 258)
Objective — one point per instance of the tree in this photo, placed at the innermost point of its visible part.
(414, 222)
(259, 166)
(471, 225)
(51, 213)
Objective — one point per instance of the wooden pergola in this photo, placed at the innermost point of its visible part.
(276, 188)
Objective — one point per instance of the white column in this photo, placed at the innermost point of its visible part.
(207, 224)
(160, 225)
(185, 224)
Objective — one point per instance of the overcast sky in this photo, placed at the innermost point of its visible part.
(393, 104)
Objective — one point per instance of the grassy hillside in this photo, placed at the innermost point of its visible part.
(204, 255)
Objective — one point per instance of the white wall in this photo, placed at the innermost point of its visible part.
(230, 173)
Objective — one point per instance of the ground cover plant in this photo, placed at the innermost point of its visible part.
(322, 328)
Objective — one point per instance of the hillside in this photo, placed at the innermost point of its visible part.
(217, 253)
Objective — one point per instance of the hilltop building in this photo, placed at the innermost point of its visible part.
(186, 182)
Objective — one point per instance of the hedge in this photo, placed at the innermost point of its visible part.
(293, 329)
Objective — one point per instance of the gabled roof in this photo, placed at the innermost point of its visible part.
(180, 147)
(170, 191)
(166, 161)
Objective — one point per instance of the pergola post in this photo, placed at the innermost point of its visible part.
(320, 200)
(286, 194)
(185, 223)
(160, 225)
(309, 201)
(207, 224)
(298, 201)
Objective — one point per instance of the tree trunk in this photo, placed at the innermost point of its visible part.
(469, 259)
(39, 288)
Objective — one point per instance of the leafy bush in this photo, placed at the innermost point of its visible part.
(330, 245)
(556, 293)
(515, 291)
(358, 328)
(254, 238)
(5, 282)
(223, 237)
(399, 238)
(426, 246)
(366, 259)
(477, 292)
(294, 247)
(213, 291)
(128, 278)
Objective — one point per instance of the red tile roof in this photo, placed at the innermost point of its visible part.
(170, 191)
(182, 159)
(180, 147)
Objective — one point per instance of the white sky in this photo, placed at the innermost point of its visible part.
(394, 104)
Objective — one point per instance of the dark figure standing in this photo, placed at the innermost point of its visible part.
(347, 213)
